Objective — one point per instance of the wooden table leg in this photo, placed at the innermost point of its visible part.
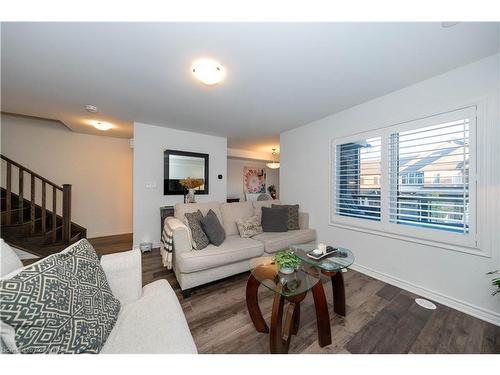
(322, 316)
(253, 305)
(296, 319)
(338, 293)
(275, 336)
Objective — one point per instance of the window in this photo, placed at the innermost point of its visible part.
(429, 169)
(358, 174)
(415, 179)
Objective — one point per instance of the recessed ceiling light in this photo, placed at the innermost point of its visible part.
(91, 108)
(101, 125)
(208, 71)
(447, 25)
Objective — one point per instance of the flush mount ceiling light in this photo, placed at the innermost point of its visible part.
(101, 125)
(91, 108)
(208, 71)
(274, 164)
(447, 25)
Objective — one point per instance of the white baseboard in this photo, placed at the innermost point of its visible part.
(155, 245)
(478, 312)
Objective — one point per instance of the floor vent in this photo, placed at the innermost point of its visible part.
(425, 304)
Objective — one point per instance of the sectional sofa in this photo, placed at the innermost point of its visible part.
(196, 267)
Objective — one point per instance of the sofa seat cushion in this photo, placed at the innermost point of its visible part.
(153, 324)
(274, 241)
(234, 249)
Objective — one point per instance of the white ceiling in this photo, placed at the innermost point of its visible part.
(279, 75)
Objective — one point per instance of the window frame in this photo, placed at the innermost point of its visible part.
(455, 241)
(348, 220)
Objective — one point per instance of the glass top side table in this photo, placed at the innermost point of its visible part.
(331, 266)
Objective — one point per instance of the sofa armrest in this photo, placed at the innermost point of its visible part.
(182, 235)
(124, 273)
(303, 220)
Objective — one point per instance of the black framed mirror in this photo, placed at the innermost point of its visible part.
(179, 165)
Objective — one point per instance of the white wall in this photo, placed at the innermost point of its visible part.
(99, 168)
(149, 143)
(454, 278)
(235, 188)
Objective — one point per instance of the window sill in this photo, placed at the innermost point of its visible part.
(442, 245)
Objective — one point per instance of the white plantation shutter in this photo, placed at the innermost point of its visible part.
(429, 173)
(357, 179)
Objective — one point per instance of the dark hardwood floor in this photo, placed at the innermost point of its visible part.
(381, 318)
(112, 244)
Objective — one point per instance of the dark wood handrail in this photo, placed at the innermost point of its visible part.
(66, 201)
(31, 172)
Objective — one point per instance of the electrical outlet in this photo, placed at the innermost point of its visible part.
(150, 185)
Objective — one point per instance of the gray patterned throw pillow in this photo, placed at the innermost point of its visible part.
(61, 304)
(293, 215)
(200, 239)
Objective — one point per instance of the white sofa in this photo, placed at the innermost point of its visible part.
(196, 267)
(151, 319)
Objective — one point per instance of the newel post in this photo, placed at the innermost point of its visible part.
(66, 213)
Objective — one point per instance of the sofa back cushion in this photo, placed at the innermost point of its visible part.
(61, 304)
(257, 206)
(231, 212)
(181, 209)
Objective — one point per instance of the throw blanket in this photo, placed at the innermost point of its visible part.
(167, 240)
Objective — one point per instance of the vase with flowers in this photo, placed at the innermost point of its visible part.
(190, 184)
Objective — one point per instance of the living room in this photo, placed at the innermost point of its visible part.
(251, 188)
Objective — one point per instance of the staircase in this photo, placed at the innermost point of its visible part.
(35, 212)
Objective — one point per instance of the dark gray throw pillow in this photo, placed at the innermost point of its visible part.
(293, 215)
(200, 239)
(213, 229)
(275, 219)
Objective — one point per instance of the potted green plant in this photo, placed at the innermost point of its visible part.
(495, 281)
(287, 261)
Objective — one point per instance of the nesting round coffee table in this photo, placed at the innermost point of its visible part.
(292, 289)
